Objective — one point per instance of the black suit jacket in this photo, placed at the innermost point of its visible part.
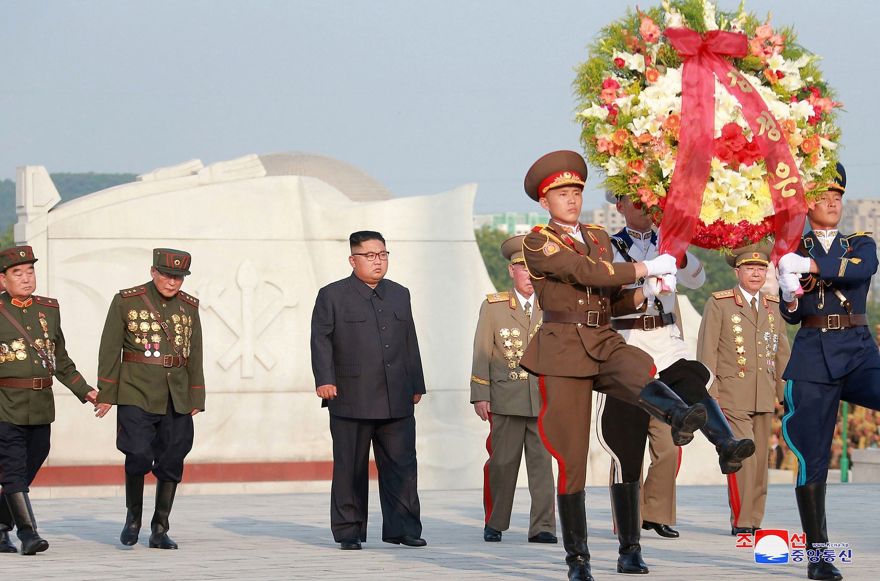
(364, 342)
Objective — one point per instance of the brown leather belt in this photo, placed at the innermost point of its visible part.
(34, 383)
(164, 361)
(644, 322)
(588, 318)
(834, 322)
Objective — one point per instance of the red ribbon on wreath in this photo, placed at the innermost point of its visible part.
(703, 61)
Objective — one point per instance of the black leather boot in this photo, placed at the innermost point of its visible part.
(811, 506)
(661, 402)
(23, 515)
(159, 538)
(6, 524)
(573, 519)
(731, 451)
(625, 506)
(134, 502)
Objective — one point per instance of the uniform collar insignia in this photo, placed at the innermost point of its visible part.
(22, 304)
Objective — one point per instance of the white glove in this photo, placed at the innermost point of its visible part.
(667, 284)
(651, 288)
(663, 264)
(793, 263)
(789, 285)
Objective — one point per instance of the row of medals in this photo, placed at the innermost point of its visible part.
(771, 345)
(146, 332)
(17, 350)
(513, 352)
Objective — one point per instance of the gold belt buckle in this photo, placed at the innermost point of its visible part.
(37, 383)
(646, 326)
(167, 361)
(593, 318)
(836, 324)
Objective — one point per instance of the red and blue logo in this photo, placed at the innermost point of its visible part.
(771, 546)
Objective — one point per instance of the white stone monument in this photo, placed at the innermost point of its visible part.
(266, 232)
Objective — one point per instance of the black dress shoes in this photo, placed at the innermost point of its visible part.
(350, 545)
(490, 535)
(741, 531)
(662, 530)
(543, 537)
(406, 540)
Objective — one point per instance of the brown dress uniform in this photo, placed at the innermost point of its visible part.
(503, 332)
(746, 349)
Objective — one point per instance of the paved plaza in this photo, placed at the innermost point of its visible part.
(286, 536)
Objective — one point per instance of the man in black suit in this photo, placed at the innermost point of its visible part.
(365, 358)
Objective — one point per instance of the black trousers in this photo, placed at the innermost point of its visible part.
(23, 449)
(154, 442)
(394, 447)
(623, 428)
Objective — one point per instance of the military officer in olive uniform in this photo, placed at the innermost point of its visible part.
(507, 396)
(157, 383)
(743, 343)
(32, 351)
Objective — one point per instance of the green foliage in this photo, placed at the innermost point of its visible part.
(7, 239)
(489, 240)
(719, 276)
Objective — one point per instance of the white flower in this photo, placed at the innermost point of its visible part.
(801, 110)
(827, 144)
(667, 164)
(672, 16)
(635, 62)
(709, 15)
(614, 166)
(595, 111)
(640, 125)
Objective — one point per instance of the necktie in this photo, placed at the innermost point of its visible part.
(528, 309)
(755, 306)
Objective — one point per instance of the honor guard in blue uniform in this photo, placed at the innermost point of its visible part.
(834, 356)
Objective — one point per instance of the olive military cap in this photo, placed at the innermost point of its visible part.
(171, 262)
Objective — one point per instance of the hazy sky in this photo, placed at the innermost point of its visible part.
(422, 95)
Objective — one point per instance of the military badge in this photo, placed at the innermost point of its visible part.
(550, 248)
(144, 314)
(178, 328)
(523, 375)
(736, 319)
(513, 375)
(505, 333)
(17, 345)
(144, 326)
(175, 318)
(4, 349)
(514, 333)
(154, 327)
(132, 315)
(21, 355)
(132, 326)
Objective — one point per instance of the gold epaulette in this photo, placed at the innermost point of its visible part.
(593, 226)
(498, 297)
(132, 292)
(858, 234)
(45, 301)
(188, 298)
(772, 298)
(725, 294)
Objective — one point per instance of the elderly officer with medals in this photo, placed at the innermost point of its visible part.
(743, 343)
(623, 428)
(32, 351)
(507, 396)
(576, 350)
(150, 366)
(834, 356)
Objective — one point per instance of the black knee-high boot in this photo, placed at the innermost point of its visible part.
(134, 502)
(573, 518)
(625, 502)
(661, 402)
(811, 506)
(159, 538)
(731, 451)
(6, 525)
(23, 515)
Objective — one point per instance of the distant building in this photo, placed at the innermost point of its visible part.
(606, 215)
(860, 216)
(512, 223)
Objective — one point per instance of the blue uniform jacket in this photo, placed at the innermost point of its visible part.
(848, 266)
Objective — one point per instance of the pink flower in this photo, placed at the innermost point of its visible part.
(647, 197)
(619, 62)
(651, 75)
(649, 31)
(764, 31)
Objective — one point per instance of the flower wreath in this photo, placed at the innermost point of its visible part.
(720, 125)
